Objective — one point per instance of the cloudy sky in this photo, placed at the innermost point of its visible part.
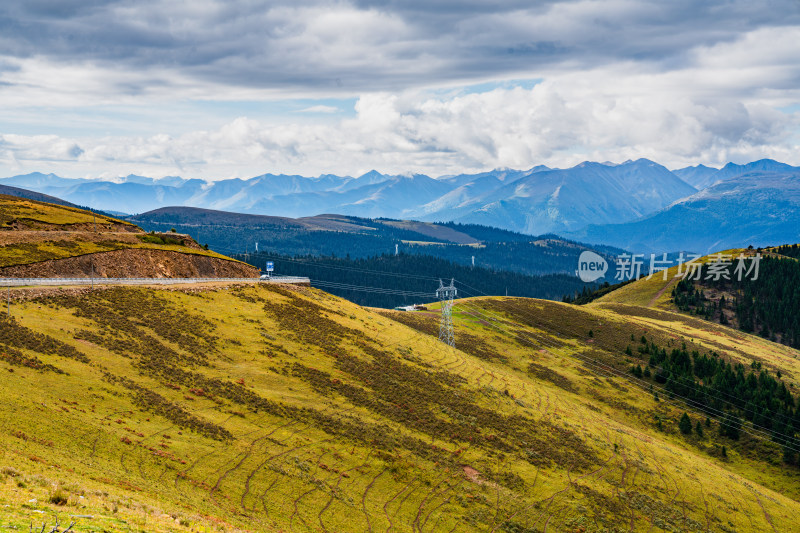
(222, 88)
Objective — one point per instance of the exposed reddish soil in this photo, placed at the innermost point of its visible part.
(133, 263)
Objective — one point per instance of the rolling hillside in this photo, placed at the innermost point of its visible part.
(765, 304)
(360, 238)
(39, 239)
(272, 408)
(8, 190)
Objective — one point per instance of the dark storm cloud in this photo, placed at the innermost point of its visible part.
(369, 45)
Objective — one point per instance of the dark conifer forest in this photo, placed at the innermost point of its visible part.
(767, 306)
(378, 281)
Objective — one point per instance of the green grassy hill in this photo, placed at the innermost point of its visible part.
(268, 408)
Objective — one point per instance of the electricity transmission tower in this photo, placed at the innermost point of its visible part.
(446, 295)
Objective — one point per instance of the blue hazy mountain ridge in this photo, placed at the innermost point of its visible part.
(388, 198)
(37, 180)
(588, 201)
(554, 201)
(759, 208)
(469, 189)
(702, 177)
(697, 176)
(396, 196)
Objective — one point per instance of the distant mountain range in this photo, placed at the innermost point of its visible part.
(758, 208)
(593, 202)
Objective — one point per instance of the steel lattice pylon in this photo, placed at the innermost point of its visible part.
(446, 295)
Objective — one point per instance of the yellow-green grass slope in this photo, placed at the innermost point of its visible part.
(31, 214)
(655, 291)
(648, 303)
(32, 232)
(269, 408)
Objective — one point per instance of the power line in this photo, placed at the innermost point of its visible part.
(378, 290)
(757, 432)
(719, 392)
(446, 295)
(362, 288)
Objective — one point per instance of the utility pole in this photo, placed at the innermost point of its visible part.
(92, 275)
(446, 295)
(9, 301)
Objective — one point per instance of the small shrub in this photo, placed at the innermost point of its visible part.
(58, 497)
(9, 471)
(151, 239)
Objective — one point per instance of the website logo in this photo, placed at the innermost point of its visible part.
(591, 266)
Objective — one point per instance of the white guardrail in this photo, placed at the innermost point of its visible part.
(32, 282)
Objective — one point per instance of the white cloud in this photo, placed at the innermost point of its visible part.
(320, 109)
(560, 121)
(676, 83)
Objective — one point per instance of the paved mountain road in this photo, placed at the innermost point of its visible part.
(50, 282)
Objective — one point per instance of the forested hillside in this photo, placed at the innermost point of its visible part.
(767, 306)
(724, 389)
(358, 238)
(380, 281)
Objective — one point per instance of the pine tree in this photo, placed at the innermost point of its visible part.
(730, 426)
(698, 428)
(789, 455)
(685, 425)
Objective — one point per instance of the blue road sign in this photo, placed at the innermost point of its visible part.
(270, 266)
